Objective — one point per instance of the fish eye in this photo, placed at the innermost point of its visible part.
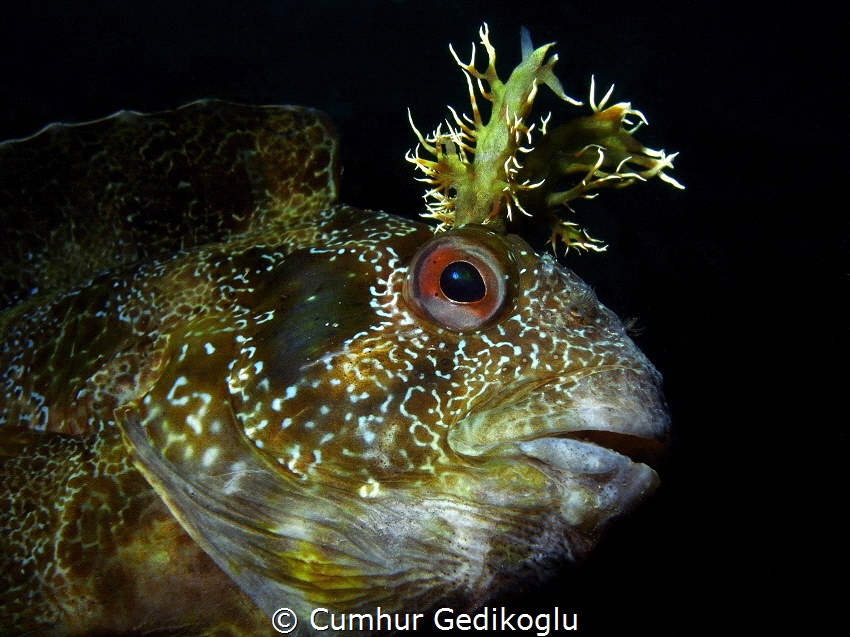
(462, 279)
(461, 282)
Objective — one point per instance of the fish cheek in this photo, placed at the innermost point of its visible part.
(315, 304)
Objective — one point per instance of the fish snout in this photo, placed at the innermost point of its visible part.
(592, 433)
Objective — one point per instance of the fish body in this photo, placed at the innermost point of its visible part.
(291, 402)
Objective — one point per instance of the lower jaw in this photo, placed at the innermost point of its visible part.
(586, 485)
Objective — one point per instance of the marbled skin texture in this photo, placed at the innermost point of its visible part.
(219, 396)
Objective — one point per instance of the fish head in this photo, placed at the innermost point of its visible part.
(392, 416)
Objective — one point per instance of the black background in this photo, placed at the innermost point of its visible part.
(738, 283)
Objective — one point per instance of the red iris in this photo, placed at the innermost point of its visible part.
(462, 279)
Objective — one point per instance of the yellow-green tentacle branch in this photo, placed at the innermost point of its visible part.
(476, 176)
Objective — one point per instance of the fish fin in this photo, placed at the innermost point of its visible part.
(161, 182)
(278, 540)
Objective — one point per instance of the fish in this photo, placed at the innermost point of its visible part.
(224, 394)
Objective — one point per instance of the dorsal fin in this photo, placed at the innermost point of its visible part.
(76, 199)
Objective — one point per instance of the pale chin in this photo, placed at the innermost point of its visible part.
(597, 484)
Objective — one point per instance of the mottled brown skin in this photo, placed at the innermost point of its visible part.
(195, 433)
(74, 201)
(88, 547)
(106, 555)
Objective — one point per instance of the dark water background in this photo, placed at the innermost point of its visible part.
(739, 283)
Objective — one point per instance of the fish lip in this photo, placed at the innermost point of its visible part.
(618, 451)
(613, 406)
(646, 450)
(594, 484)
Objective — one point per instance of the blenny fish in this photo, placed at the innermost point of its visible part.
(223, 393)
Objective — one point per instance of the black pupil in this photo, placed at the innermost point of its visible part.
(461, 282)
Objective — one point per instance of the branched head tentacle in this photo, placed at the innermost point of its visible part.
(476, 176)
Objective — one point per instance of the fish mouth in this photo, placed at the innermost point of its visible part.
(595, 435)
(638, 449)
(613, 407)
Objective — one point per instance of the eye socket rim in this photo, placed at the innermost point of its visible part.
(485, 250)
